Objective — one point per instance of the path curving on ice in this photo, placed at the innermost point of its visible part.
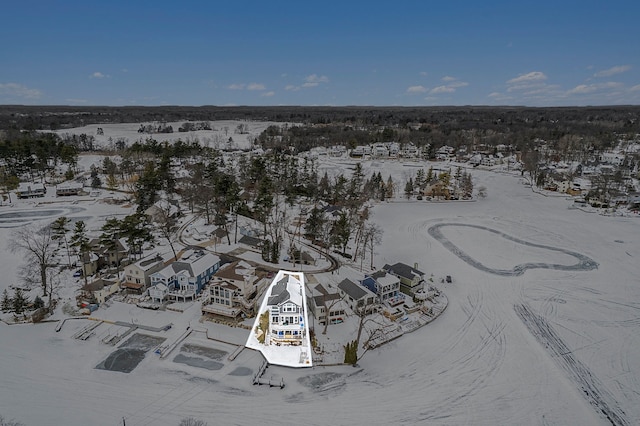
(584, 263)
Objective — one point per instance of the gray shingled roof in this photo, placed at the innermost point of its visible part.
(250, 241)
(352, 289)
(322, 299)
(279, 292)
(402, 270)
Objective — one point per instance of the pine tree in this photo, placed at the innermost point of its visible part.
(420, 179)
(313, 226)
(6, 303)
(38, 303)
(389, 188)
(80, 241)
(351, 353)
(112, 182)
(408, 188)
(19, 301)
(60, 229)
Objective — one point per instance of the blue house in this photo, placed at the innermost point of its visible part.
(386, 286)
(185, 278)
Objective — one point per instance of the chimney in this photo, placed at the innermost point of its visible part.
(415, 265)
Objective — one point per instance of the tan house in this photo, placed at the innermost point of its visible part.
(232, 291)
(100, 256)
(137, 275)
(100, 289)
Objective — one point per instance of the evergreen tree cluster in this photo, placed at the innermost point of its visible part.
(351, 352)
(18, 303)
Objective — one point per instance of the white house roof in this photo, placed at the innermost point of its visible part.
(148, 262)
(288, 288)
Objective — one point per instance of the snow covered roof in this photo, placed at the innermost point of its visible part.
(148, 262)
(286, 286)
(402, 270)
(353, 290)
(192, 263)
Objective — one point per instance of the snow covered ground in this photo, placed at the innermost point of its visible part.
(217, 137)
(548, 346)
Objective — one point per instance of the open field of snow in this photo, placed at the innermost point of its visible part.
(217, 137)
(546, 346)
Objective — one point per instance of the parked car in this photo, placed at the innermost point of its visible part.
(77, 273)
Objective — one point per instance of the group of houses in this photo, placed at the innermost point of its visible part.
(388, 150)
(387, 288)
(228, 290)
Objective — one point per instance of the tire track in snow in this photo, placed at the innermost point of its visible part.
(584, 263)
(591, 388)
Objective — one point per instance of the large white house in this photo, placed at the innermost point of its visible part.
(281, 330)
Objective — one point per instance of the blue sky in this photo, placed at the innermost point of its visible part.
(238, 52)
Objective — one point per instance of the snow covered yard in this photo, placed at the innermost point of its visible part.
(482, 362)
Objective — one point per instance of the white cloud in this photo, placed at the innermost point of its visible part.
(98, 74)
(534, 76)
(19, 91)
(442, 89)
(76, 101)
(424, 73)
(448, 88)
(458, 84)
(314, 78)
(236, 86)
(534, 80)
(268, 94)
(255, 86)
(495, 95)
(417, 89)
(635, 88)
(613, 71)
(590, 88)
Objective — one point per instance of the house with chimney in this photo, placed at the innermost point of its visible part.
(137, 276)
(411, 279)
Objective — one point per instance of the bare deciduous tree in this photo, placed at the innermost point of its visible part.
(40, 249)
(372, 238)
(167, 225)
